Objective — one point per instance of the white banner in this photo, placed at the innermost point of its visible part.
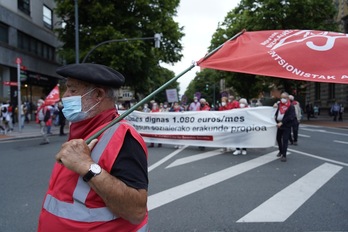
(247, 128)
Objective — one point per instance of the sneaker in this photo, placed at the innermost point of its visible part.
(283, 159)
(295, 143)
(160, 145)
(244, 152)
(279, 154)
(151, 145)
(236, 152)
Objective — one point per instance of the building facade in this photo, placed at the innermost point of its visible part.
(325, 94)
(27, 35)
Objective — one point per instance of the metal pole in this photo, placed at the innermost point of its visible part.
(126, 113)
(77, 55)
(19, 105)
(214, 97)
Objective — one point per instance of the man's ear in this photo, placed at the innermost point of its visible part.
(101, 94)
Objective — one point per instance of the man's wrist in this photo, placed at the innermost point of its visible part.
(94, 170)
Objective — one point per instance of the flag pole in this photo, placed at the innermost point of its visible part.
(134, 107)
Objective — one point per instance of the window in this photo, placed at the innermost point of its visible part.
(332, 91)
(47, 17)
(35, 46)
(24, 6)
(3, 33)
(317, 91)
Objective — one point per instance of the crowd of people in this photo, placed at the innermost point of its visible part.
(45, 115)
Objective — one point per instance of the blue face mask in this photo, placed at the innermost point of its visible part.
(73, 108)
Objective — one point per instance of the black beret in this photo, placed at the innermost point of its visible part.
(93, 73)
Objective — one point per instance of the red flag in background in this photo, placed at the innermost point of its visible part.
(306, 55)
(53, 97)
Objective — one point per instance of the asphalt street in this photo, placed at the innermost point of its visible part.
(206, 190)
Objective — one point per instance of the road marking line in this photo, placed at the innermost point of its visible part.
(324, 131)
(318, 157)
(338, 141)
(158, 199)
(283, 204)
(158, 163)
(306, 136)
(194, 158)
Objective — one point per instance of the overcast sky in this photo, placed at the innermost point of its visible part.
(200, 19)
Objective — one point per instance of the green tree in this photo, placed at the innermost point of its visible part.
(254, 15)
(206, 83)
(138, 60)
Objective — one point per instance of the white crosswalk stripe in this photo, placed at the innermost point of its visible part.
(283, 204)
(194, 158)
(177, 192)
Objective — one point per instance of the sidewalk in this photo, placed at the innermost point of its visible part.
(326, 121)
(32, 129)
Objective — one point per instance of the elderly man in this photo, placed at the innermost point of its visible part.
(296, 125)
(100, 186)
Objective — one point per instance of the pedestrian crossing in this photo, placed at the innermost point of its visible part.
(274, 209)
(284, 203)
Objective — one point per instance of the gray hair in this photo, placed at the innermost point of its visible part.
(111, 93)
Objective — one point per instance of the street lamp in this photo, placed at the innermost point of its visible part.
(157, 38)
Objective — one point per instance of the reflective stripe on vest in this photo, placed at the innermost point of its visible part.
(77, 210)
(145, 228)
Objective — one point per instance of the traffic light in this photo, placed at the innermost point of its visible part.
(206, 87)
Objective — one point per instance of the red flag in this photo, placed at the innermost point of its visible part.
(306, 55)
(53, 97)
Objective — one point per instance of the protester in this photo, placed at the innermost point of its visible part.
(176, 107)
(316, 110)
(309, 111)
(155, 109)
(42, 117)
(340, 114)
(204, 105)
(195, 105)
(101, 186)
(224, 104)
(243, 103)
(232, 103)
(22, 111)
(285, 117)
(164, 107)
(146, 108)
(61, 119)
(6, 118)
(335, 109)
(49, 121)
(294, 136)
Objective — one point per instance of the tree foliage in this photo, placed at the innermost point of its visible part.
(255, 15)
(138, 60)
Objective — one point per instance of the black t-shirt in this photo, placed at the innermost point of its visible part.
(131, 164)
